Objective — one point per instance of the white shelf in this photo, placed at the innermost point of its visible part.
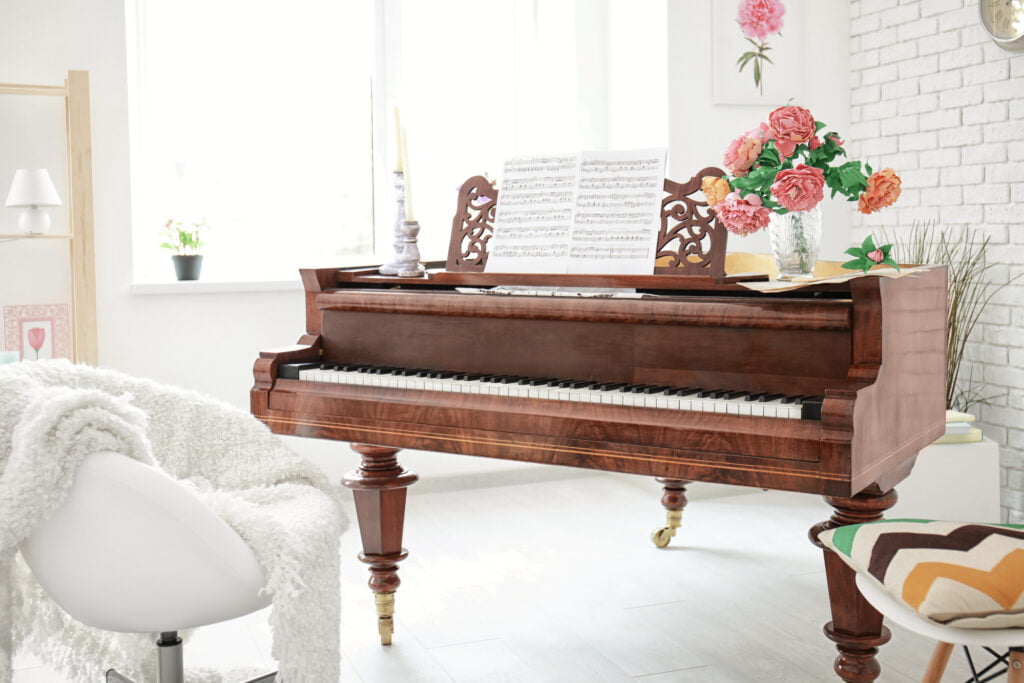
(48, 236)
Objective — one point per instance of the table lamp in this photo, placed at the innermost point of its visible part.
(32, 190)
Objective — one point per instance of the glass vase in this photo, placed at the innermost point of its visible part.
(795, 238)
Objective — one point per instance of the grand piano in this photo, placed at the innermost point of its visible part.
(830, 389)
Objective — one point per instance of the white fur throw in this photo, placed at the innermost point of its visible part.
(54, 413)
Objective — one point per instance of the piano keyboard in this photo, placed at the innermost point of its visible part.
(692, 399)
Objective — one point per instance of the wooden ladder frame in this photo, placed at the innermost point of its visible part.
(75, 92)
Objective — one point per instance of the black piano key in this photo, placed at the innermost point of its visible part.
(734, 394)
(770, 397)
(610, 386)
(754, 397)
(630, 388)
(658, 389)
(448, 375)
(791, 399)
(581, 385)
(707, 393)
(510, 379)
(689, 391)
(810, 408)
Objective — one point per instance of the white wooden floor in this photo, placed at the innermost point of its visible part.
(548, 574)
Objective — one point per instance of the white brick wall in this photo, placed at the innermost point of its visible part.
(937, 101)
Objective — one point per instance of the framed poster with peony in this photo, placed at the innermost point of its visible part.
(777, 177)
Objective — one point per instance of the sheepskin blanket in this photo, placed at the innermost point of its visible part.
(54, 413)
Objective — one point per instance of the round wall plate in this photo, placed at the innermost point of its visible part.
(1003, 20)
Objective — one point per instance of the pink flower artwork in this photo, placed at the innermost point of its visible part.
(36, 337)
(38, 331)
(759, 18)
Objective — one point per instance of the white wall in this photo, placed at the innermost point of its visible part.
(933, 92)
(700, 130)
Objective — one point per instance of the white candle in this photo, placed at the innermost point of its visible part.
(409, 216)
(399, 165)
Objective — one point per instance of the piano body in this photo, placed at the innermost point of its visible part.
(830, 389)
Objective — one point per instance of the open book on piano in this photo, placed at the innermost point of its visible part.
(829, 389)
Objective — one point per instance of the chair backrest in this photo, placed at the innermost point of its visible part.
(133, 550)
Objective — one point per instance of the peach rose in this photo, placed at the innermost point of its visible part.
(790, 126)
(715, 189)
(742, 215)
(883, 190)
(800, 188)
(741, 155)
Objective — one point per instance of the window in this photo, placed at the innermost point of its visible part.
(260, 118)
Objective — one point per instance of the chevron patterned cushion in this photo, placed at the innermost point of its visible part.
(965, 575)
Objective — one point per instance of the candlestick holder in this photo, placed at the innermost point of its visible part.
(395, 264)
(410, 263)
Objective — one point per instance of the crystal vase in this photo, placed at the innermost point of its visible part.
(795, 238)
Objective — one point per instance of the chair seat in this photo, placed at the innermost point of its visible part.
(133, 550)
(901, 614)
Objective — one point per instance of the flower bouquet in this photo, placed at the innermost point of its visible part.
(777, 176)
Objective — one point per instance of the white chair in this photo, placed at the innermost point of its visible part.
(132, 550)
(947, 636)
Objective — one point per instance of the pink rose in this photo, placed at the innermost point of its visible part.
(758, 18)
(742, 215)
(815, 143)
(741, 155)
(877, 256)
(790, 126)
(800, 188)
(762, 133)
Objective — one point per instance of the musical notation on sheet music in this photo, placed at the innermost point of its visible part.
(593, 212)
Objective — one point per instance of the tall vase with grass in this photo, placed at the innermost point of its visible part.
(971, 289)
(185, 242)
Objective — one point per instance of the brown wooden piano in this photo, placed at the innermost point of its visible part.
(829, 389)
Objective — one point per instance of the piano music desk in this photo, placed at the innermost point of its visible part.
(872, 349)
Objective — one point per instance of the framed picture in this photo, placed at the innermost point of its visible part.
(37, 331)
(783, 80)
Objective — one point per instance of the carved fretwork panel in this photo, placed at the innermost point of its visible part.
(691, 236)
(472, 226)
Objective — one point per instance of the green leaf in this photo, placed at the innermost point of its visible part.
(886, 248)
(856, 264)
(868, 245)
(165, 245)
(855, 251)
(818, 125)
(757, 73)
(867, 167)
(890, 262)
(767, 59)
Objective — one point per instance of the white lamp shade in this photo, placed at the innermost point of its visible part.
(32, 187)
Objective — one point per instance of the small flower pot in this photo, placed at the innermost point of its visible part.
(187, 266)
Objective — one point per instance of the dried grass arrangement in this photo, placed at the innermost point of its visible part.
(971, 289)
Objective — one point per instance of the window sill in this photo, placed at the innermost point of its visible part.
(204, 287)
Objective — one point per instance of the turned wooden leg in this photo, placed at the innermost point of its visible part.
(379, 487)
(938, 662)
(674, 500)
(856, 627)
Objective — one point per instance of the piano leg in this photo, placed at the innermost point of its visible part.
(856, 627)
(674, 500)
(379, 487)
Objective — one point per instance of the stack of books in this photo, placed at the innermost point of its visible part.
(959, 428)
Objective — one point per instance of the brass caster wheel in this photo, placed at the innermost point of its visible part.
(385, 619)
(661, 537)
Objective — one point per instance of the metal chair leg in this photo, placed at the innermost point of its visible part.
(114, 677)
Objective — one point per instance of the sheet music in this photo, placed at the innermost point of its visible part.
(533, 220)
(618, 212)
(593, 212)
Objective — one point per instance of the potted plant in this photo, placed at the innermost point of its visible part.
(186, 243)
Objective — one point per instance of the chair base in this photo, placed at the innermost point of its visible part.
(171, 665)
